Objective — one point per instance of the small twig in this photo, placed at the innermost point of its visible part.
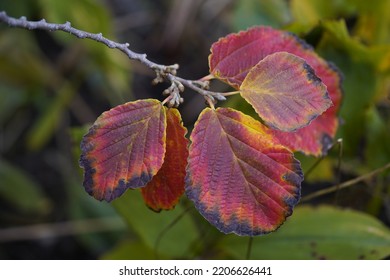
(200, 87)
(313, 167)
(66, 27)
(319, 160)
(42, 231)
(163, 72)
(345, 184)
(340, 142)
(249, 248)
(168, 227)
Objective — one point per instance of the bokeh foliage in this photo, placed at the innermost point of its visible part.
(52, 85)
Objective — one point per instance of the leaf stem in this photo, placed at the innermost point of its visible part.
(340, 143)
(207, 78)
(249, 248)
(168, 227)
(230, 93)
(163, 72)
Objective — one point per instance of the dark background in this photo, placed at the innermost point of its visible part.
(53, 86)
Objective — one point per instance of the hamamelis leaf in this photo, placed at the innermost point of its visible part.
(239, 178)
(317, 138)
(166, 188)
(285, 92)
(233, 56)
(124, 148)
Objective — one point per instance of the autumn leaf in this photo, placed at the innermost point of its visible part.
(317, 138)
(285, 92)
(238, 177)
(233, 56)
(167, 186)
(124, 148)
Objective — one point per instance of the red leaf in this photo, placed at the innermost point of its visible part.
(316, 138)
(239, 178)
(124, 148)
(166, 188)
(285, 92)
(233, 56)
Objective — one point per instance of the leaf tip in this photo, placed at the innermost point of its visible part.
(310, 74)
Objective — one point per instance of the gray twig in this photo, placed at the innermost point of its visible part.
(163, 72)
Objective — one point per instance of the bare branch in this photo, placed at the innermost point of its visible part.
(163, 72)
(346, 184)
(67, 27)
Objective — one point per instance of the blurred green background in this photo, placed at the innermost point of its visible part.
(53, 86)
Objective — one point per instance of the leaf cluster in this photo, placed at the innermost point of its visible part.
(242, 177)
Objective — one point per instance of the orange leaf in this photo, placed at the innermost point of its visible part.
(166, 188)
